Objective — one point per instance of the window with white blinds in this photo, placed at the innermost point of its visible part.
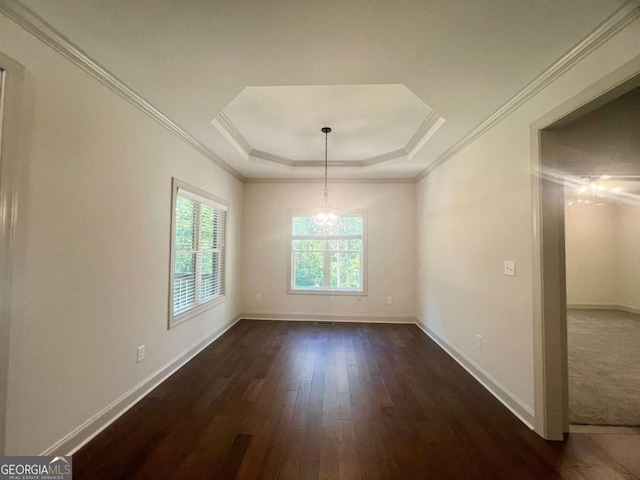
(198, 252)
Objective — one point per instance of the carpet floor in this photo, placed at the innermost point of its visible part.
(604, 367)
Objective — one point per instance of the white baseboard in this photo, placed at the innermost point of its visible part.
(105, 417)
(603, 306)
(508, 399)
(310, 317)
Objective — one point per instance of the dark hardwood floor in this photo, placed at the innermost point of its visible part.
(368, 401)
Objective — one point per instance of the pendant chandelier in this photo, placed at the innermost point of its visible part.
(326, 214)
(591, 190)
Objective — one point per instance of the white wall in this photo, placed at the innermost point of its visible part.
(474, 212)
(592, 246)
(629, 256)
(602, 255)
(391, 249)
(92, 254)
(601, 242)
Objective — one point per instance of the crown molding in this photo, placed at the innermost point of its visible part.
(36, 26)
(232, 134)
(385, 157)
(225, 126)
(408, 180)
(270, 157)
(614, 23)
(425, 131)
(331, 163)
(32, 23)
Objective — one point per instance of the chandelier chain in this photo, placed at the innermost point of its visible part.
(326, 136)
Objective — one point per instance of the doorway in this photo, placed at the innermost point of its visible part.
(565, 161)
(602, 228)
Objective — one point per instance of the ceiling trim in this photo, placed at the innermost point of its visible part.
(233, 135)
(385, 157)
(224, 125)
(270, 157)
(432, 123)
(24, 17)
(615, 22)
(32, 23)
(409, 180)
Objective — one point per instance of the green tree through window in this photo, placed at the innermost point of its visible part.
(198, 251)
(327, 259)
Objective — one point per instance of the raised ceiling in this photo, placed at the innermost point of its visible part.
(371, 124)
(194, 60)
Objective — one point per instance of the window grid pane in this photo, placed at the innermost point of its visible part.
(185, 220)
(309, 269)
(345, 270)
(184, 290)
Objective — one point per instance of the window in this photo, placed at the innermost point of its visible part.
(198, 252)
(328, 260)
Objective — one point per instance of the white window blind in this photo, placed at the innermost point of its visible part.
(198, 269)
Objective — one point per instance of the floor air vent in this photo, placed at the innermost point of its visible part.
(324, 323)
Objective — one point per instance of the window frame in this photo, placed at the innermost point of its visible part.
(327, 291)
(199, 307)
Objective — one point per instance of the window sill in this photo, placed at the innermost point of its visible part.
(353, 293)
(174, 321)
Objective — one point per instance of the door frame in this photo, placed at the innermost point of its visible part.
(551, 383)
(11, 86)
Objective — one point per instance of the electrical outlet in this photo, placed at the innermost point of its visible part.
(258, 297)
(478, 341)
(140, 353)
(389, 300)
(510, 268)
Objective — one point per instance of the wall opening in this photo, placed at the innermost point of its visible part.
(562, 164)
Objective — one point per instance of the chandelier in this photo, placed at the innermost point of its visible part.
(326, 214)
(591, 190)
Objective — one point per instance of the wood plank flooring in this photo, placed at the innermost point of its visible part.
(295, 400)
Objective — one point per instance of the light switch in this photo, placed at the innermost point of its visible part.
(510, 268)
(140, 351)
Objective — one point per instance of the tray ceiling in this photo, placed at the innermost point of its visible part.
(192, 60)
(370, 124)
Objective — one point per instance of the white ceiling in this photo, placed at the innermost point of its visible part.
(370, 124)
(192, 59)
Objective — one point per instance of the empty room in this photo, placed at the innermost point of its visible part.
(597, 152)
(316, 240)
